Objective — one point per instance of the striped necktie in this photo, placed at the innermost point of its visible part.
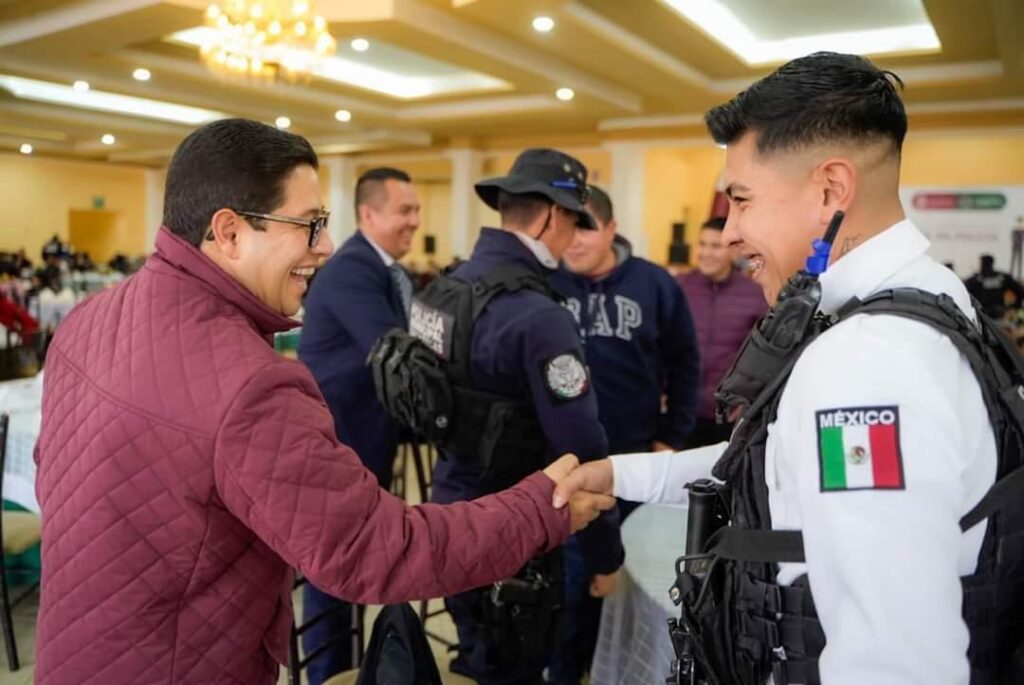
(403, 284)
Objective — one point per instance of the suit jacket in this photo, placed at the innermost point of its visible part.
(351, 303)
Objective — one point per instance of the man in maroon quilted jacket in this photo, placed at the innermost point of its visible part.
(185, 468)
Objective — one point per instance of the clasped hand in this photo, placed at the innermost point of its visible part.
(587, 489)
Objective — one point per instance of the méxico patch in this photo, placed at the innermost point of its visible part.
(565, 376)
(859, 449)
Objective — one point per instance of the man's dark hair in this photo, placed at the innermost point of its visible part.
(601, 204)
(988, 263)
(233, 163)
(715, 224)
(370, 186)
(824, 97)
(521, 210)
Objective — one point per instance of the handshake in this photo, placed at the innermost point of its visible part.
(586, 488)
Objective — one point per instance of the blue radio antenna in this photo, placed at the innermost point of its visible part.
(818, 262)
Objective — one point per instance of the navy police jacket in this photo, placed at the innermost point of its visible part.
(351, 303)
(641, 346)
(525, 345)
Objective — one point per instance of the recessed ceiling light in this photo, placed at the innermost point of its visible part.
(25, 149)
(108, 139)
(141, 74)
(565, 94)
(81, 86)
(543, 24)
(360, 44)
(56, 93)
(283, 122)
(343, 115)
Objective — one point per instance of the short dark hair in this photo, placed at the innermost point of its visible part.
(522, 209)
(988, 262)
(715, 224)
(371, 184)
(824, 97)
(601, 204)
(233, 163)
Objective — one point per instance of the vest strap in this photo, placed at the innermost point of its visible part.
(1006, 491)
(775, 546)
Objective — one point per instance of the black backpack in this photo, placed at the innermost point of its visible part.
(398, 653)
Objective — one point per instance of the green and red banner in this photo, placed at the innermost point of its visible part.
(859, 449)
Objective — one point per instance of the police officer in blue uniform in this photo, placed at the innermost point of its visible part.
(360, 293)
(526, 345)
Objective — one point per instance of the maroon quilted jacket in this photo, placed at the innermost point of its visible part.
(184, 467)
(723, 314)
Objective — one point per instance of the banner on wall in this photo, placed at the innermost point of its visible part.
(964, 223)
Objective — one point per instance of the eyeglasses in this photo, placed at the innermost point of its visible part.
(316, 226)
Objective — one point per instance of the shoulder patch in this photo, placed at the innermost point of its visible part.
(565, 376)
(859, 449)
(432, 326)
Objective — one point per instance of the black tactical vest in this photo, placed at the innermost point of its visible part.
(738, 625)
(423, 379)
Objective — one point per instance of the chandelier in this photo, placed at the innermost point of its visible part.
(266, 39)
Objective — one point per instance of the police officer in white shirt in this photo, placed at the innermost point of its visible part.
(881, 440)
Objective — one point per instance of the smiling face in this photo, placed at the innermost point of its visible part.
(590, 252)
(776, 211)
(714, 257)
(276, 263)
(391, 217)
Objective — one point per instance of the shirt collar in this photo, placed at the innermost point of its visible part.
(539, 250)
(384, 256)
(182, 256)
(862, 271)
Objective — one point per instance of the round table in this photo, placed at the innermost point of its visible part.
(633, 647)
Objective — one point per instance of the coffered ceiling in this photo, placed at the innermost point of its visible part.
(438, 72)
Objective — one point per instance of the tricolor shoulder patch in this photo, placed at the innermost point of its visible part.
(859, 449)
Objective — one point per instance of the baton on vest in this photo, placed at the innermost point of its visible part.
(705, 515)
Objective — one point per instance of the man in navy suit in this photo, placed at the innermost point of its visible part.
(358, 295)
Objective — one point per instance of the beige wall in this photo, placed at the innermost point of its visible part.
(37, 194)
(435, 220)
(680, 186)
(681, 180)
(964, 158)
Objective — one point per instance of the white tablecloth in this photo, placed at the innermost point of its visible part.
(22, 399)
(633, 647)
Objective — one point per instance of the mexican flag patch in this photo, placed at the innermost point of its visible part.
(859, 449)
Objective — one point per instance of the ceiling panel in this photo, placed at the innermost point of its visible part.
(638, 65)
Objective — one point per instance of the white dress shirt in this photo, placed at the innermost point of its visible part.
(384, 256)
(884, 564)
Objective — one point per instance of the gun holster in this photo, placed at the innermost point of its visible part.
(520, 615)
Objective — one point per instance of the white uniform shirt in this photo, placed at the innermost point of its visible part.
(879, 506)
(384, 256)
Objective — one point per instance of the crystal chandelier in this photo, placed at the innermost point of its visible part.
(266, 39)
